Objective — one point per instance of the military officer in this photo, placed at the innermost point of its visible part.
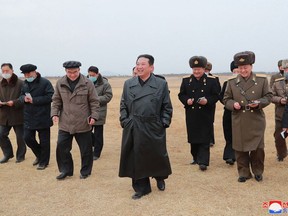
(280, 93)
(199, 93)
(246, 96)
(208, 69)
(277, 75)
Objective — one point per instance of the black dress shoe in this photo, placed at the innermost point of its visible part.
(202, 167)
(84, 176)
(259, 177)
(138, 195)
(280, 159)
(242, 179)
(95, 158)
(161, 185)
(230, 161)
(5, 159)
(20, 160)
(63, 176)
(36, 161)
(41, 167)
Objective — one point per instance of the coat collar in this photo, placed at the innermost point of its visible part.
(246, 84)
(138, 91)
(12, 82)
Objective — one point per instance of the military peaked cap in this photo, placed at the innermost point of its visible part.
(279, 63)
(285, 63)
(244, 58)
(198, 61)
(27, 68)
(208, 66)
(232, 66)
(71, 64)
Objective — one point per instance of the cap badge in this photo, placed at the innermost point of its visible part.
(196, 62)
(241, 60)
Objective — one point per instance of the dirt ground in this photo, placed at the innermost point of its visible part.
(27, 191)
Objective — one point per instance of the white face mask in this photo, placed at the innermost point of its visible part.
(6, 75)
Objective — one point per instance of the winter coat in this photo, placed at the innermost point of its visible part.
(199, 118)
(75, 108)
(145, 113)
(37, 114)
(11, 91)
(248, 125)
(104, 91)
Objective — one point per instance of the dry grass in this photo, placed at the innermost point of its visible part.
(27, 191)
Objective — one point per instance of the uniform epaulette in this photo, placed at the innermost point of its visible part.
(231, 78)
(261, 75)
(210, 76)
(186, 76)
(279, 79)
(159, 76)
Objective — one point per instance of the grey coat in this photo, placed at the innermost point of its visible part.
(145, 112)
(104, 91)
(75, 108)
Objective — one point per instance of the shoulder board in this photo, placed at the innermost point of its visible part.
(211, 76)
(279, 79)
(261, 75)
(231, 78)
(186, 77)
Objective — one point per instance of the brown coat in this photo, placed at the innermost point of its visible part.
(11, 91)
(274, 77)
(248, 126)
(74, 108)
(279, 90)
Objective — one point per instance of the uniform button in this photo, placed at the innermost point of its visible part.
(253, 92)
(192, 107)
(242, 101)
(252, 111)
(192, 90)
(202, 90)
(243, 110)
(199, 107)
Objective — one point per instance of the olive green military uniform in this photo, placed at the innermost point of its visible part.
(279, 90)
(248, 124)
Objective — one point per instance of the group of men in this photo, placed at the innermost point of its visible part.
(145, 114)
(26, 106)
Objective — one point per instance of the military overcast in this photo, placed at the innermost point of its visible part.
(110, 34)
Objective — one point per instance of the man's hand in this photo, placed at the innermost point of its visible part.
(190, 101)
(55, 119)
(237, 106)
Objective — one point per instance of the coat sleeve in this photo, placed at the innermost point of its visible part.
(107, 94)
(93, 100)
(46, 98)
(221, 95)
(276, 98)
(182, 96)
(166, 107)
(124, 111)
(228, 99)
(214, 94)
(57, 103)
(265, 100)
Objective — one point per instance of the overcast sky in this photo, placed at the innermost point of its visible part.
(110, 34)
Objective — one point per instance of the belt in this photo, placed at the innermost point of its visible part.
(248, 108)
(147, 118)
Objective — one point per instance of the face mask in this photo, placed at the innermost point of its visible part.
(30, 79)
(93, 79)
(6, 75)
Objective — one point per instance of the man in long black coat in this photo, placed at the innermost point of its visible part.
(145, 113)
(199, 93)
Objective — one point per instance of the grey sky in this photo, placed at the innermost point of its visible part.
(110, 34)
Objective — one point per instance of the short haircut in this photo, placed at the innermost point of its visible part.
(149, 57)
(7, 64)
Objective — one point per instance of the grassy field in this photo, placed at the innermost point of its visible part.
(27, 191)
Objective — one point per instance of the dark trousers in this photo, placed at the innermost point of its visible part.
(97, 133)
(42, 149)
(64, 157)
(143, 185)
(227, 130)
(255, 158)
(201, 153)
(6, 145)
(280, 143)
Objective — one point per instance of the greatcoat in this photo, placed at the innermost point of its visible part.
(248, 126)
(145, 113)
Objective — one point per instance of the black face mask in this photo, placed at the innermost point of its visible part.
(281, 71)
